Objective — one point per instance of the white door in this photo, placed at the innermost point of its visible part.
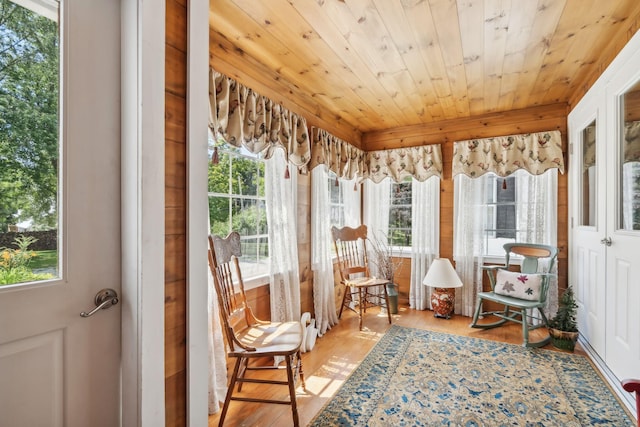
(56, 367)
(623, 221)
(587, 195)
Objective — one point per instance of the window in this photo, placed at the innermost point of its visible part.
(509, 204)
(29, 142)
(400, 214)
(237, 203)
(336, 200)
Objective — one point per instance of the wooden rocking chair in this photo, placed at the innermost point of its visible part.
(522, 291)
(249, 338)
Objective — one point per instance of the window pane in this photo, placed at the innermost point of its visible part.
(501, 213)
(220, 215)
(400, 214)
(219, 174)
(629, 162)
(245, 177)
(29, 144)
(588, 193)
(237, 203)
(255, 255)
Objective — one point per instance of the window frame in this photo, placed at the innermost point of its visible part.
(397, 250)
(262, 276)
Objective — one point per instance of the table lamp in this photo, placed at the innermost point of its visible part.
(444, 279)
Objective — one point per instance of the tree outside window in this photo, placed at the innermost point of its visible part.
(400, 214)
(237, 203)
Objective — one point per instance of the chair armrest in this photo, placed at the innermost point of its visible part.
(491, 273)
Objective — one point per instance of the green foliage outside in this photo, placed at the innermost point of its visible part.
(29, 86)
(400, 217)
(243, 178)
(15, 263)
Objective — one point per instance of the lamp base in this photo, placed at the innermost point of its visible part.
(442, 302)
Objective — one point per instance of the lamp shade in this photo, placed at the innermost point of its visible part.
(441, 274)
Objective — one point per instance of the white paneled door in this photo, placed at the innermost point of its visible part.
(623, 221)
(58, 368)
(588, 217)
(604, 132)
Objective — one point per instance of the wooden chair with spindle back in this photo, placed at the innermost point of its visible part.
(249, 338)
(353, 265)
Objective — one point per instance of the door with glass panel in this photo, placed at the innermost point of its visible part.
(588, 214)
(623, 222)
(59, 213)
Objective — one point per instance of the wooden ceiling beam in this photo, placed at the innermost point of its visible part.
(526, 120)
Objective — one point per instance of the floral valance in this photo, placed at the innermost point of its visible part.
(503, 155)
(245, 118)
(348, 161)
(418, 162)
(342, 158)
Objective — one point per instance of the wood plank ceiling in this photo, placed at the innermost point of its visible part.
(372, 65)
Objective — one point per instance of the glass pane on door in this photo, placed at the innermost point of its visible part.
(588, 176)
(629, 161)
(29, 141)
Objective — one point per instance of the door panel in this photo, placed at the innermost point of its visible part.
(622, 331)
(57, 367)
(35, 366)
(623, 268)
(587, 254)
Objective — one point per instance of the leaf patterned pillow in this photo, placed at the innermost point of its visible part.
(518, 285)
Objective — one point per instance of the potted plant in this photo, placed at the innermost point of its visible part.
(386, 265)
(563, 327)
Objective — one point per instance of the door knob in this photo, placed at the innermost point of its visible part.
(104, 299)
(606, 241)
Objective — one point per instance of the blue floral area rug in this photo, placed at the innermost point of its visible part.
(420, 378)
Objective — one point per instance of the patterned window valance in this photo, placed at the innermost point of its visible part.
(347, 161)
(503, 155)
(242, 117)
(340, 157)
(419, 162)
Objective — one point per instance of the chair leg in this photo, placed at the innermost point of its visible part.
(241, 373)
(477, 313)
(525, 328)
(360, 305)
(292, 391)
(347, 290)
(227, 399)
(300, 371)
(386, 299)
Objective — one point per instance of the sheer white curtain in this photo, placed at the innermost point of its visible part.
(376, 210)
(217, 352)
(536, 222)
(537, 217)
(468, 239)
(351, 200)
(425, 237)
(284, 278)
(324, 303)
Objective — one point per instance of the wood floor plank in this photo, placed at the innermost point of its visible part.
(340, 351)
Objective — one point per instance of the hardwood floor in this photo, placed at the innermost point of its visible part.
(339, 352)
